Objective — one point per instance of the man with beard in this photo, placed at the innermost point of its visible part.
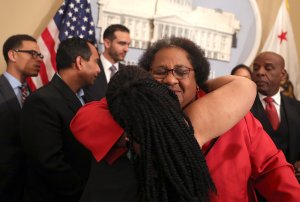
(284, 126)
(23, 58)
(116, 41)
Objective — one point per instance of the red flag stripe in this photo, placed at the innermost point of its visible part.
(50, 43)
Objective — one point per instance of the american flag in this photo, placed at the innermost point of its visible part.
(73, 18)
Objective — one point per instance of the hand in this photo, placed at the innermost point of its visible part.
(297, 170)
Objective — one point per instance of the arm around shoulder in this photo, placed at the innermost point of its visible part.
(229, 100)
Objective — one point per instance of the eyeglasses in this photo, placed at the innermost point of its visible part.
(179, 72)
(33, 53)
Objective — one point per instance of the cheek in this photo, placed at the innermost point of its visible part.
(189, 91)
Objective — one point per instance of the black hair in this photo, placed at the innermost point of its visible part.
(109, 32)
(240, 66)
(171, 166)
(195, 55)
(71, 48)
(15, 42)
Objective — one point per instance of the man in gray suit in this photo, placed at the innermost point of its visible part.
(23, 58)
(268, 72)
(116, 41)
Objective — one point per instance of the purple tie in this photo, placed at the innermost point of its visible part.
(113, 70)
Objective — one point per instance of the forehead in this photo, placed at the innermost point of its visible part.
(29, 45)
(171, 56)
(268, 58)
(93, 50)
(122, 36)
(242, 70)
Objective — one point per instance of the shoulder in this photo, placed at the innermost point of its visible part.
(290, 102)
(93, 108)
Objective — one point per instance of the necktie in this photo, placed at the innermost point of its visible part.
(24, 92)
(113, 70)
(271, 112)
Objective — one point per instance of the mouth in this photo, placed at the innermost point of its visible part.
(37, 67)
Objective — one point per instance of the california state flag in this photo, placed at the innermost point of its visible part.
(281, 40)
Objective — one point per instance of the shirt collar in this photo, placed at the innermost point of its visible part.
(275, 97)
(15, 83)
(106, 64)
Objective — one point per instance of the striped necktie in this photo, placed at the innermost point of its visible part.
(113, 70)
(24, 92)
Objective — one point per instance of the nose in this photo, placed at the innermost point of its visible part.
(98, 70)
(126, 48)
(260, 71)
(170, 79)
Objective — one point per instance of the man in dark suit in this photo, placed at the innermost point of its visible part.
(58, 165)
(268, 72)
(23, 58)
(116, 41)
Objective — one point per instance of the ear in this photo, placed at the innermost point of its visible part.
(12, 56)
(106, 43)
(78, 62)
(283, 74)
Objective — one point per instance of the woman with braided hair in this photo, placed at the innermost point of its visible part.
(169, 164)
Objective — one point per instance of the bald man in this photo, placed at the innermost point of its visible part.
(268, 72)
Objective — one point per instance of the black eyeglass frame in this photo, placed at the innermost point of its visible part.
(33, 53)
(166, 73)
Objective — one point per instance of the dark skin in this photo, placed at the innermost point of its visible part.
(268, 72)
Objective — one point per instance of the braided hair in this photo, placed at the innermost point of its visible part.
(171, 166)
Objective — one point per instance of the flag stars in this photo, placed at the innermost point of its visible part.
(83, 28)
(71, 5)
(85, 19)
(70, 14)
(91, 32)
(282, 36)
(75, 9)
(60, 11)
(74, 19)
(87, 10)
(78, 1)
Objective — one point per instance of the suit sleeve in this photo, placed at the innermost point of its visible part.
(273, 176)
(41, 132)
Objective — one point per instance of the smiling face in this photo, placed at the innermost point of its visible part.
(268, 72)
(168, 58)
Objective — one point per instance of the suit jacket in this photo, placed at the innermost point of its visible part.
(12, 161)
(98, 89)
(291, 108)
(58, 165)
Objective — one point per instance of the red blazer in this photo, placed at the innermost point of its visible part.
(245, 157)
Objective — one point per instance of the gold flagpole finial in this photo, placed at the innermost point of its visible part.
(287, 4)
